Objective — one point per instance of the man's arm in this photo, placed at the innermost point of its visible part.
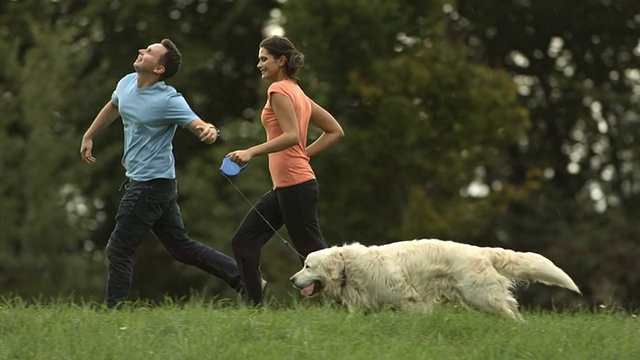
(207, 133)
(104, 118)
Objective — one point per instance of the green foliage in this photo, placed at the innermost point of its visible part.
(576, 65)
(498, 123)
(61, 62)
(422, 122)
(42, 96)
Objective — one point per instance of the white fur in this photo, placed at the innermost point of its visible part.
(413, 275)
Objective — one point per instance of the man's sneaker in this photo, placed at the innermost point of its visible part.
(264, 284)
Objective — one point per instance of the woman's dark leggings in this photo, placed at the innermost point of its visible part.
(294, 207)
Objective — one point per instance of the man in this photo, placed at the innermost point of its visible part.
(151, 112)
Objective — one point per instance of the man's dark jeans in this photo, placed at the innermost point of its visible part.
(152, 205)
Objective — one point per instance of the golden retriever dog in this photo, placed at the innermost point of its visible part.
(413, 275)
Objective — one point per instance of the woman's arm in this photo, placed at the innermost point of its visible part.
(286, 115)
(327, 123)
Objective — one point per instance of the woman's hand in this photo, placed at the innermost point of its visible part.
(240, 157)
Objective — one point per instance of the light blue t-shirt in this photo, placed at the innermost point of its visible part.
(150, 117)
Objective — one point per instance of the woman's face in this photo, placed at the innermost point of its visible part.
(270, 67)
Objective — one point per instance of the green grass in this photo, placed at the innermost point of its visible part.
(207, 330)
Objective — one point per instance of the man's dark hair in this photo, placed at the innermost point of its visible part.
(171, 60)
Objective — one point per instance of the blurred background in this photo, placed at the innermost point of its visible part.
(509, 123)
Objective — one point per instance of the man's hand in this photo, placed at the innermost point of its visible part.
(85, 151)
(208, 133)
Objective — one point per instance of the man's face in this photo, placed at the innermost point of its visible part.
(148, 59)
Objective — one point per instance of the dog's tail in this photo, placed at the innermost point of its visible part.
(528, 266)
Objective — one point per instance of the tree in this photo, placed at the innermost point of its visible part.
(42, 83)
(425, 127)
(61, 62)
(576, 65)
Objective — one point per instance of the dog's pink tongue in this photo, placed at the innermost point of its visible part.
(308, 291)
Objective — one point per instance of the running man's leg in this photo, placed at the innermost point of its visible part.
(171, 232)
(133, 221)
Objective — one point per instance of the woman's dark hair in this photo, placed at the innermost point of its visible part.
(171, 60)
(279, 46)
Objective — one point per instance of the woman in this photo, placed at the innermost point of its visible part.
(292, 200)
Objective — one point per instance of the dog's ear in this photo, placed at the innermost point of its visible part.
(336, 264)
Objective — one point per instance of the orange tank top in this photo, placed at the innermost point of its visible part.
(289, 166)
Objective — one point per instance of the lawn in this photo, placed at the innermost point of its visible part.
(221, 330)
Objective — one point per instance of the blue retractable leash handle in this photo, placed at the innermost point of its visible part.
(230, 168)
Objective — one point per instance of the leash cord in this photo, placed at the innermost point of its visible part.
(253, 207)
